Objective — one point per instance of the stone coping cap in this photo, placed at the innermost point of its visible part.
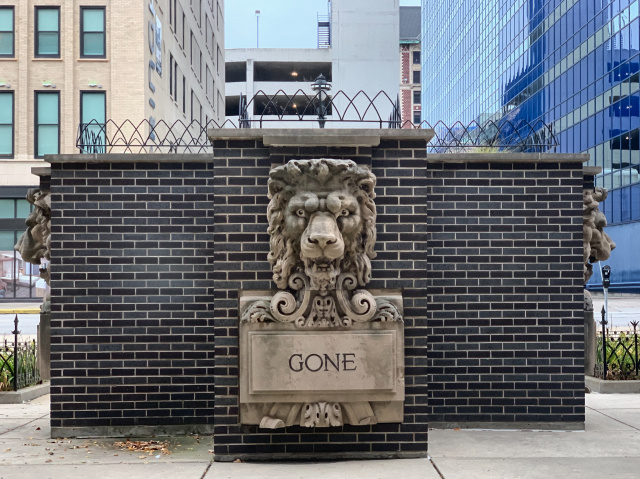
(500, 157)
(592, 170)
(132, 158)
(320, 137)
(41, 170)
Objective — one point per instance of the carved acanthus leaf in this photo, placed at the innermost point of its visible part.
(257, 312)
(318, 414)
(386, 311)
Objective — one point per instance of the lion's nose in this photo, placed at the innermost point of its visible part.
(323, 239)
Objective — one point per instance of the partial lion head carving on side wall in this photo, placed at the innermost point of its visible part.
(322, 221)
(35, 242)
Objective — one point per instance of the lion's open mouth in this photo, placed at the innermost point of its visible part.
(322, 272)
(321, 265)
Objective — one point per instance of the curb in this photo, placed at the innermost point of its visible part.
(24, 395)
(598, 385)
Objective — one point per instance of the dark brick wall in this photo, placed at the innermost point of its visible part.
(241, 247)
(139, 272)
(131, 313)
(505, 292)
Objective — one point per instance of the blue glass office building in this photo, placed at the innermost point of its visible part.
(573, 64)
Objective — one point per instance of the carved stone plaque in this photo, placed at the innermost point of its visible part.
(330, 362)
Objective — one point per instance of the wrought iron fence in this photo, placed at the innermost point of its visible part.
(617, 354)
(18, 363)
(144, 137)
(303, 110)
(492, 136)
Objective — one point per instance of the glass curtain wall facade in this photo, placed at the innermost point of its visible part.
(573, 64)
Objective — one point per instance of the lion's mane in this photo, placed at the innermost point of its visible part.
(287, 180)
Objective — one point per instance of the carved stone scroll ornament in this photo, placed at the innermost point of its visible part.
(35, 242)
(597, 244)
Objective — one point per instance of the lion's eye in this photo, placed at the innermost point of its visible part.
(344, 213)
(301, 213)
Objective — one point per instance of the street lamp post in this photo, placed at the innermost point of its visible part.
(257, 28)
(321, 85)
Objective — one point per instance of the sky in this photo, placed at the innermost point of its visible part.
(283, 23)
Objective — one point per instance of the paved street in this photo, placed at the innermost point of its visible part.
(609, 444)
(27, 325)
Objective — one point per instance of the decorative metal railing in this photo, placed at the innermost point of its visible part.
(333, 110)
(490, 136)
(620, 359)
(18, 363)
(145, 137)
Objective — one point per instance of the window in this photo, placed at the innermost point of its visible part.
(219, 61)
(93, 114)
(208, 33)
(92, 32)
(183, 28)
(416, 58)
(6, 124)
(184, 95)
(220, 104)
(171, 95)
(416, 76)
(416, 97)
(416, 118)
(192, 109)
(47, 37)
(7, 36)
(47, 131)
(209, 86)
(175, 80)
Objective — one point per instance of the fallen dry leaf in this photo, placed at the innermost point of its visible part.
(38, 428)
(144, 446)
(237, 460)
(48, 460)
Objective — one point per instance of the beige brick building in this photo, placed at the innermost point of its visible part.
(67, 62)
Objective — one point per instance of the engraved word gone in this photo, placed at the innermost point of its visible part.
(316, 362)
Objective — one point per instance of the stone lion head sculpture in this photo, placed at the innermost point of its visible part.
(322, 221)
(35, 243)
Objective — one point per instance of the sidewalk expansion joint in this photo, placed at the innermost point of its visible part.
(617, 420)
(436, 467)
(25, 424)
(207, 469)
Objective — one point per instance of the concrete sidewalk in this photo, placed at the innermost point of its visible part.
(608, 448)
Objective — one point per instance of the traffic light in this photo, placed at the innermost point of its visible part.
(606, 276)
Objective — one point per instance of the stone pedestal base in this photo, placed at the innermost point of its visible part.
(44, 346)
(589, 343)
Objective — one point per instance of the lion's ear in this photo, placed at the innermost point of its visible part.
(275, 187)
(367, 186)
